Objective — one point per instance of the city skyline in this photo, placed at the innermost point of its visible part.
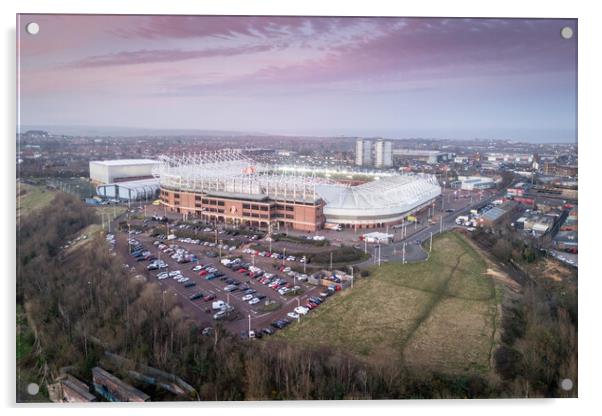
(390, 77)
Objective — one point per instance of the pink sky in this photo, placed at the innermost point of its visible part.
(356, 76)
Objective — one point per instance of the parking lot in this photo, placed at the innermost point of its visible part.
(209, 291)
(252, 286)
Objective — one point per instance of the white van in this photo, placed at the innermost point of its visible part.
(218, 304)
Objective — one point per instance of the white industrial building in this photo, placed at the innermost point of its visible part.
(471, 183)
(143, 189)
(110, 171)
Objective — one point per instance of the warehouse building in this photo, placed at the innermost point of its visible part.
(473, 183)
(143, 189)
(429, 156)
(111, 171)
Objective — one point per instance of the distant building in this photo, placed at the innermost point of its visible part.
(473, 183)
(555, 169)
(110, 171)
(383, 154)
(516, 158)
(535, 223)
(429, 156)
(518, 190)
(496, 214)
(363, 152)
(566, 240)
(36, 134)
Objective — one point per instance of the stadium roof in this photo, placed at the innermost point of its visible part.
(388, 195)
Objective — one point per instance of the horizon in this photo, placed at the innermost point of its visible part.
(397, 78)
(120, 131)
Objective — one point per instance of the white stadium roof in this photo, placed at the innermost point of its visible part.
(388, 198)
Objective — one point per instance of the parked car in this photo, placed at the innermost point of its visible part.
(301, 310)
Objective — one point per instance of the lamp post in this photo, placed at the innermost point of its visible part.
(403, 254)
(431, 243)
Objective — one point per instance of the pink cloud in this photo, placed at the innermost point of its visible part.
(164, 55)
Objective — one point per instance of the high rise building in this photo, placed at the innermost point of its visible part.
(383, 154)
(363, 152)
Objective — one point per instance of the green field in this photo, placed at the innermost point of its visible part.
(30, 197)
(439, 315)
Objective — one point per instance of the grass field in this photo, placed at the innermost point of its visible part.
(440, 314)
(30, 197)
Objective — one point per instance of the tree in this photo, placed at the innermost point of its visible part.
(502, 250)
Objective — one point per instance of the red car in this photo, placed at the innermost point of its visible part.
(203, 272)
(208, 298)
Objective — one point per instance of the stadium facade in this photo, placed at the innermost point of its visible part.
(229, 187)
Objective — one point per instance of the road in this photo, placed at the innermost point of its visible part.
(413, 240)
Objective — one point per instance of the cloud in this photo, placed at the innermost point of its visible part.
(145, 56)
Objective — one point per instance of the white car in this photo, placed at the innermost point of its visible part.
(253, 301)
(162, 275)
(175, 273)
(283, 290)
(183, 279)
(301, 310)
(197, 268)
(247, 297)
(293, 315)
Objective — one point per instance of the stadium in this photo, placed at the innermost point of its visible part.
(229, 187)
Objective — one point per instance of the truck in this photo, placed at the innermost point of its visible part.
(332, 226)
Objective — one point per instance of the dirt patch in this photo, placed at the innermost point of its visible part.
(546, 268)
(503, 278)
